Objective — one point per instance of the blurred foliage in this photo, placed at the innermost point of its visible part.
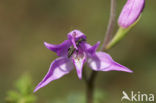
(79, 97)
(23, 92)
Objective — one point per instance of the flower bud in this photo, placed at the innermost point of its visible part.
(131, 12)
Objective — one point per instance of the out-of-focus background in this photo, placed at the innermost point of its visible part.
(26, 24)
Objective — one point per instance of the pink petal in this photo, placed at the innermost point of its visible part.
(103, 62)
(61, 49)
(79, 59)
(58, 68)
(92, 49)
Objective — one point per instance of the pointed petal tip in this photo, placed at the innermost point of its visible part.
(120, 70)
(92, 49)
(79, 74)
(103, 62)
(98, 43)
(125, 69)
(36, 89)
(47, 45)
(119, 67)
(78, 61)
(130, 71)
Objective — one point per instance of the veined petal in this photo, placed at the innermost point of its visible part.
(130, 12)
(75, 35)
(58, 68)
(79, 59)
(61, 49)
(103, 62)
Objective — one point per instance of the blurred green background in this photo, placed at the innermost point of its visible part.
(26, 24)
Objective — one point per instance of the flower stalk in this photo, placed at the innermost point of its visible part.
(111, 24)
(129, 16)
(110, 28)
(119, 35)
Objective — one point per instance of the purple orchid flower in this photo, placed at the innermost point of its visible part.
(131, 12)
(75, 52)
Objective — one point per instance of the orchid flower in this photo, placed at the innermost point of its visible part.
(131, 12)
(75, 52)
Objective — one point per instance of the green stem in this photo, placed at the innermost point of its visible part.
(90, 87)
(110, 26)
(91, 79)
(118, 36)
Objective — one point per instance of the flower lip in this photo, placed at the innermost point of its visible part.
(79, 58)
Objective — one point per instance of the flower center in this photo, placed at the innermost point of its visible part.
(71, 49)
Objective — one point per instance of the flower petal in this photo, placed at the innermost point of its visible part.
(92, 49)
(103, 62)
(117, 67)
(61, 49)
(130, 12)
(79, 59)
(58, 68)
(75, 35)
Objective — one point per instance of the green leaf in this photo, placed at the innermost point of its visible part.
(23, 92)
(24, 85)
(13, 96)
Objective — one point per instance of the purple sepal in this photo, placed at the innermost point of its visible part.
(61, 49)
(58, 68)
(103, 62)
